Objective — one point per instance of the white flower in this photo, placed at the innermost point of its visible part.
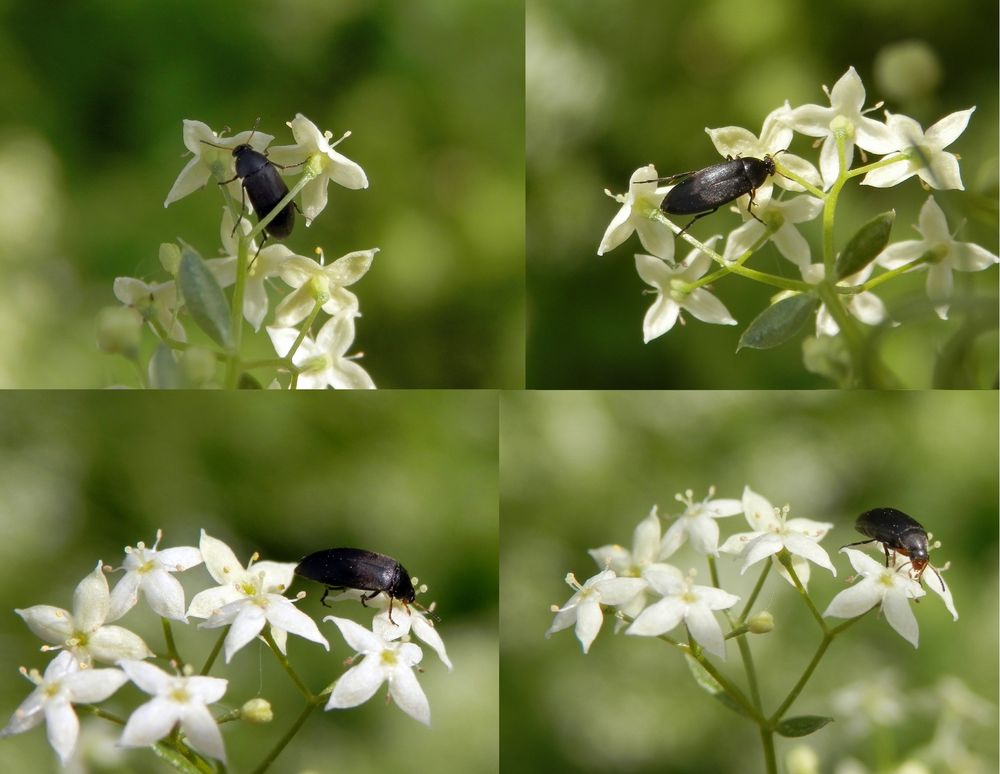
(175, 700)
(383, 661)
(684, 601)
(892, 587)
(633, 564)
(845, 114)
(323, 285)
(83, 632)
(775, 136)
(787, 238)
(406, 619)
(642, 198)
(157, 301)
(264, 265)
(864, 306)
(330, 164)
(584, 607)
(674, 292)
(948, 255)
(197, 135)
(246, 599)
(698, 523)
(925, 151)
(148, 570)
(323, 361)
(774, 531)
(63, 685)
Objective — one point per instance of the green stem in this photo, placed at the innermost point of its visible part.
(756, 591)
(215, 652)
(283, 660)
(289, 735)
(168, 635)
(767, 741)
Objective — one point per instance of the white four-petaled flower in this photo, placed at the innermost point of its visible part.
(85, 632)
(384, 661)
(642, 198)
(175, 700)
(890, 587)
(247, 599)
(698, 522)
(148, 570)
(774, 531)
(63, 685)
(684, 601)
(584, 607)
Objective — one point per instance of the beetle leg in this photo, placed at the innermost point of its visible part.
(750, 205)
(696, 217)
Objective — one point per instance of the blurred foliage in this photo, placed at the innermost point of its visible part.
(614, 85)
(90, 144)
(410, 474)
(580, 470)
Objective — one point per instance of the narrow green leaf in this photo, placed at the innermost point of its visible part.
(802, 725)
(712, 686)
(865, 245)
(163, 371)
(779, 322)
(203, 296)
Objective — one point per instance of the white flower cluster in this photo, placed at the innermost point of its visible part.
(907, 151)
(246, 600)
(656, 597)
(321, 360)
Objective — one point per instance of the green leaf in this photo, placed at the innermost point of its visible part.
(204, 298)
(868, 242)
(712, 686)
(163, 371)
(779, 322)
(802, 725)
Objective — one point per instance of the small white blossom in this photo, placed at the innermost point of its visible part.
(315, 283)
(148, 570)
(405, 618)
(774, 531)
(949, 255)
(698, 522)
(633, 564)
(63, 685)
(198, 170)
(890, 587)
(642, 198)
(157, 301)
(383, 661)
(264, 265)
(324, 362)
(845, 114)
(925, 151)
(175, 700)
(775, 136)
(247, 599)
(685, 602)
(673, 293)
(84, 632)
(864, 306)
(787, 238)
(584, 607)
(315, 145)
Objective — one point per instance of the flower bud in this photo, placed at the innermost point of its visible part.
(257, 711)
(761, 623)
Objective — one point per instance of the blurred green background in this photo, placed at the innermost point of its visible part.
(580, 470)
(90, 144)
(410, 474)
(616, 84)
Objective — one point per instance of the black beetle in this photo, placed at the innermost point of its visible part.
(898, 532)
(355, 568)
(703, 191)
(262, 183)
